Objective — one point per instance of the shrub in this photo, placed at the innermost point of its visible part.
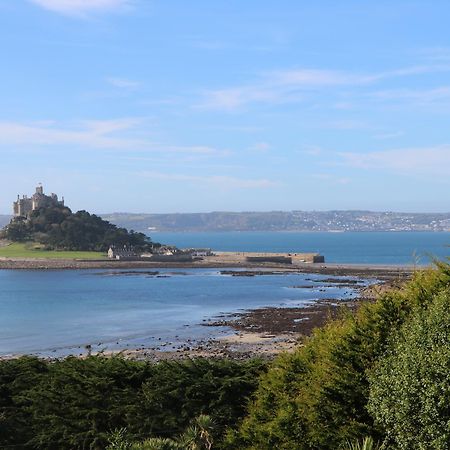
(410, 388)
(316, 397)
(76, 403)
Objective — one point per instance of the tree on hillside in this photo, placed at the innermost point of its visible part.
(58, 228)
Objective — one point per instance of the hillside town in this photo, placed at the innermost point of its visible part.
(329, 221)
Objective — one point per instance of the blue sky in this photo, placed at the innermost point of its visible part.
(187, 106)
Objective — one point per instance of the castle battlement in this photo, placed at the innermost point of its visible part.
(23, 206)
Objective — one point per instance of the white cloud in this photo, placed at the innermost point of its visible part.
(313, 77)
(312, 150)
(285, 86)
(418, 96)
(260, 147)
(92, 134)
(431, 161)
(389, 135)
(81, 7)
(123, 83)
(275, 87)
(331, 178)
(436, 54)
(117, 134)
(221, 181)
(347, 124)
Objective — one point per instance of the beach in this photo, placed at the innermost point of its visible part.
(262, 331)
(267, 332)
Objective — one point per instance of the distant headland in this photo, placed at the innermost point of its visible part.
(324, 221)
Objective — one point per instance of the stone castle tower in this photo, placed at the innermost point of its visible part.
(23, 206)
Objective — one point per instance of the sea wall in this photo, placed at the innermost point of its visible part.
(170, 258)
(270, 259)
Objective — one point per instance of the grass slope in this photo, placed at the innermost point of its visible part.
(19, 250)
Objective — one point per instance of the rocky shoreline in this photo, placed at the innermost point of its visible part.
(262, 332)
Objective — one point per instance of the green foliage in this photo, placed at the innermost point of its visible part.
(316, 397)
(76, 403)
(59, 228)
(198, 436)
(118, 440)
(366, 444)
(216, 388)
(158, 444)
(410, 388)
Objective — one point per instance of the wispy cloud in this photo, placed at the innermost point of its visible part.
(82, 7)
(437, 95)
(91, 134)
(221, 181)
(285, 86)
(117, 134)
(271, 88)
(346, 124)
(123, 83)
(432, 161)
(388, 135)
(331, 178)
(260, 147)
(436, 54)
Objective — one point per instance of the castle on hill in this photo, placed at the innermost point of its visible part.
(23, 206)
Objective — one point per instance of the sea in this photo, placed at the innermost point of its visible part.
(58, 313)
(416, 248)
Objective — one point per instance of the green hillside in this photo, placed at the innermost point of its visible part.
(29, 250)
(58, 228)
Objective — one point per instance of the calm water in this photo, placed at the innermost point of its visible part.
(362, 247)
(56, 312)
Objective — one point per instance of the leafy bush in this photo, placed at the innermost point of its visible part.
(366, 444)
(316, 397)
(410, 388)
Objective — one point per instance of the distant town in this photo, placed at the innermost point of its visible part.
(337, 221)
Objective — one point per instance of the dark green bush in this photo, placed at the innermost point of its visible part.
(316, 397)
(76, 403)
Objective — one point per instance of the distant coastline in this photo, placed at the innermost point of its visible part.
(295, 221)
(286, 221)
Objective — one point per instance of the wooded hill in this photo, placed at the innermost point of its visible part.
(58, 228)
